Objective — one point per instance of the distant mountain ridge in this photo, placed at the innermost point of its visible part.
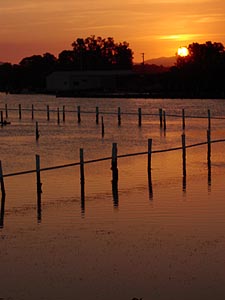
(162, 61)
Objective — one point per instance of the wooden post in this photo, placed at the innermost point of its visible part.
(164, 120)
(139, 117)
(2, 118)
(103, 127)
(2, 180)
(37, 132)
(119, 116)
(82, 181)
(48, 115)
(161, 117)
(149, 155)
(6, 111)
(78, 114)
(64, 114)
(97, 115)
(114, 162)
(209, 120)
(58, 116)
(32, 112)
(184, 153)
(183, 119)
(20, 112)
(209, 156)
(38, 174)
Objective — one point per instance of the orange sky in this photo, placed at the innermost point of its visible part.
(155, 27)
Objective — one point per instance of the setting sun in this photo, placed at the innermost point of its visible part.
(182, 51)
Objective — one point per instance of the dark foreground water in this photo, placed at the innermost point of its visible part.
(161, 239)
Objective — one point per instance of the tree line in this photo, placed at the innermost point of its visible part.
(199, 74)
(90, 53)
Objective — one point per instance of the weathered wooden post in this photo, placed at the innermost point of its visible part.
(2, 118)
(114, 162)
(139, 117)
(119, 116)
(164, 120)
(2, 180)
(32, 112)
(209, 120)
(48, 114)
(38, 174)
(82, 180)
(184, 154)
(161, 117)
(103, 127)
(58, 116)
(97, 115)
(149, 155)
(37, 132)
(6, 111)
(20, 112)
(78, 114)
(64, 113)
(209, 155)
(183, 119)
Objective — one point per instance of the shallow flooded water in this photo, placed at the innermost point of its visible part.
(153, 238)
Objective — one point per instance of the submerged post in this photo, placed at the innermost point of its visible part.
(32, 112)
(119, 116)
(78, 114)
(149, 155)
(38, 174)
(184, 154)
(2, 180)
(209, 148)
(82, 178)
(6, 111)
(37, 132)
(48, 115)
(139, 117)
(161, 117)
(96, 115)
(209, 120)
(183, 119)
(164, 120)
(114, 162)
(20, 112)
(64, 113)
(103, 127)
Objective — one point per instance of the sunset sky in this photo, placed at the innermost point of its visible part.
(155, 27)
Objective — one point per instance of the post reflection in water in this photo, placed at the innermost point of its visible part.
(39, 207)
(150, 189)
(2, 211)
(184, 184)
(209, 175)
(115, 193)
(82, 198)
